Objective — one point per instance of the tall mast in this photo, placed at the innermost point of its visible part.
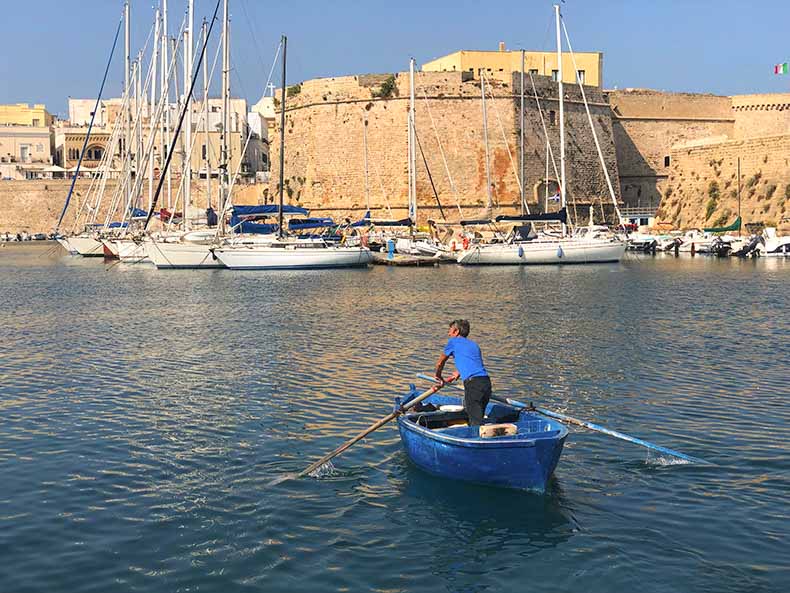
(521, 133)
(412, 149)
(166, 92)
(282, 139)
(224, 165)
(188, 74)
(207, 157)
(138, 102)
(152, 103)
(490, 203)
(365, 145)
(562, 111)
(127, 112)
(174, 49)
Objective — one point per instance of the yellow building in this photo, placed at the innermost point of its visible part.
(22, 114)
(501, 64)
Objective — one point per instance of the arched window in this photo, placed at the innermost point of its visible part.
(94, 153)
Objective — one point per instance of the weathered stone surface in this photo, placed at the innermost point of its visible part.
(35, 206)
(702, 188)
(324, 151)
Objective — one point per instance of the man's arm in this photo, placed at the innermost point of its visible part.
(440, 367)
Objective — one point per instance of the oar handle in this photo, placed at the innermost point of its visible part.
(375, 426)
(590, 425)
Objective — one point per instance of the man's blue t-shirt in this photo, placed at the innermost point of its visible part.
(468, 359)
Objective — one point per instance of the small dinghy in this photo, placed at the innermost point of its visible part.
(512, 449)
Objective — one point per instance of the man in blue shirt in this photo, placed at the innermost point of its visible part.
(469, 365)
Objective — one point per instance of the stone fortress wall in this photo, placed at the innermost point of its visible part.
(35, 206)
(660, 149)
(325, 145)
(672, 146)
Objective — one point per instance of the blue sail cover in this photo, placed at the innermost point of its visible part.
(138, 214)
(365, 221)
(299, 224)
(239, 225)
(267, 209)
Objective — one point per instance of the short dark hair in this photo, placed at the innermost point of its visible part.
(462, 325)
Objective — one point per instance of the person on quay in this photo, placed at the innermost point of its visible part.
(469, 364)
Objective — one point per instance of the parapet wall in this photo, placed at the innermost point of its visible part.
(761, 115)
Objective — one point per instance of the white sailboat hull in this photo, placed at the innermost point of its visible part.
(293, 257)
(563, 251)
(110, 248)
(64, 242)
(87, 246)
(170, 256)
(130, 251)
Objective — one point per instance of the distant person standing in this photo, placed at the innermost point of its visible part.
(469, 364)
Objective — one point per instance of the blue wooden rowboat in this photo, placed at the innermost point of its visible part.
(441, 443)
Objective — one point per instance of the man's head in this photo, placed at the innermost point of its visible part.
(458, 327)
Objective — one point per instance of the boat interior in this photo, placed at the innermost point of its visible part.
(452, 420)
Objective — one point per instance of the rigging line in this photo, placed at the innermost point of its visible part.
(181, 117)
(144, 159)
(252, 33)
(90, 126)
(441, 151)
(430, 177)
(126, 180)
(545, 129)
(381, 184)
(226, 205)
(592, 127)
(490, 89)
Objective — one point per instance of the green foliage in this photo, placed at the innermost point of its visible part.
(787, 191)
(723, 219)
(752, 181)
(293, 90)
(388, 88)
(769, 191)
(713, 190)
(710, 208)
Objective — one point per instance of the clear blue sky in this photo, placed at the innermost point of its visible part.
(53, 49)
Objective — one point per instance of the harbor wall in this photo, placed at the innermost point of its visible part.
(648, 123)
(35, 205)
(702, 187)
(667, 144)
(325, 145)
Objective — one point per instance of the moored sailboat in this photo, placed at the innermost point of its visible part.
(285, 251)
(521, 248)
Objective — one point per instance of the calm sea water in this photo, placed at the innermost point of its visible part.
(144, 416)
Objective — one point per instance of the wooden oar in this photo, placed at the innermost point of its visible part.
(375, 426)
(591, 426)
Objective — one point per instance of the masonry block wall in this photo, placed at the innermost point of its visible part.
(648, 123)
(702, 188)
(325, 155)
(35, 206)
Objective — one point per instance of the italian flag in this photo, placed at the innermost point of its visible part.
(781, 69)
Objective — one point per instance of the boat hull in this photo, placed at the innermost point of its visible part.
(569, 251)
(131, 252)
(277, 258)
(178, 255)
(518, 462)
(87, 246)
(64, 242)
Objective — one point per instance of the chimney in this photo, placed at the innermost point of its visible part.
(501, 46)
